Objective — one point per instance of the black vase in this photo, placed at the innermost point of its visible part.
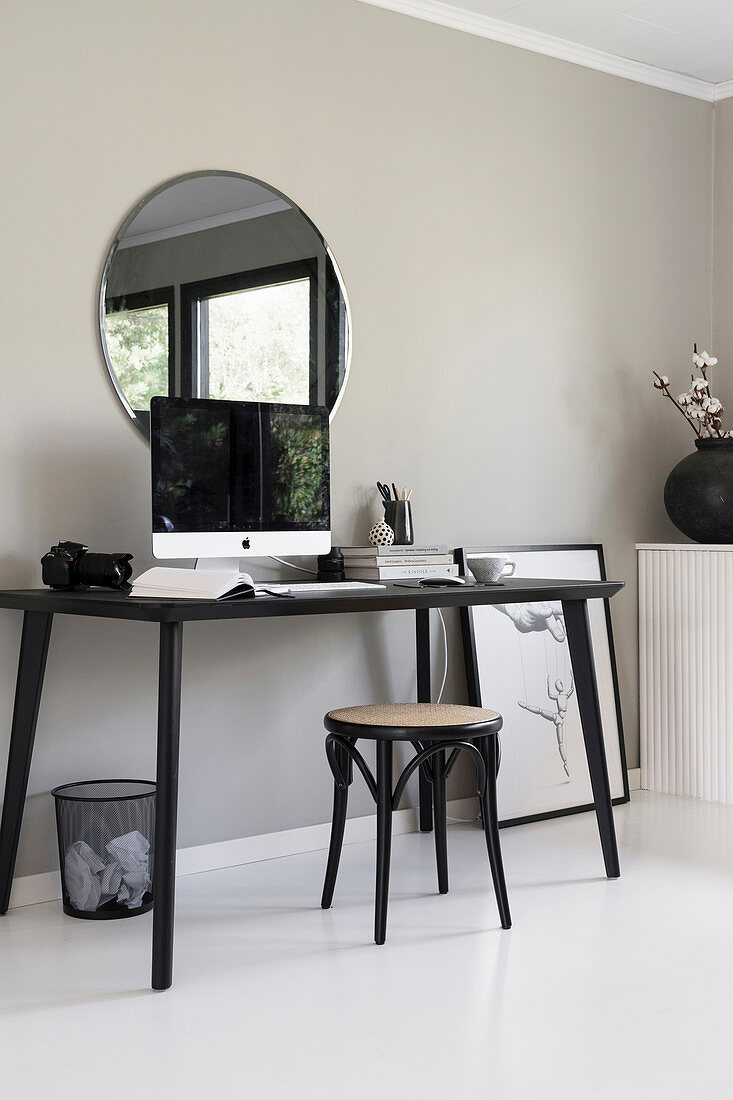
(698, 494)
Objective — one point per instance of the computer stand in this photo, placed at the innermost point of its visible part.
(224, 565)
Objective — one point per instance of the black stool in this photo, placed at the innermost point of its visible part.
(433, 729)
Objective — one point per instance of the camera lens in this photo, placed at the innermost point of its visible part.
(103, 570)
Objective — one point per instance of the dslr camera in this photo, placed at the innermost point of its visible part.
(69, 566)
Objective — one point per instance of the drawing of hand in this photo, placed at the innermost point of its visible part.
(534, 617)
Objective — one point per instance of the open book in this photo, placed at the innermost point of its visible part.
(162, 583)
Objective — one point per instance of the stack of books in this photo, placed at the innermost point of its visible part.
(398, 563)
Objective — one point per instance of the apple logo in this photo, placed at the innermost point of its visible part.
(245, 544)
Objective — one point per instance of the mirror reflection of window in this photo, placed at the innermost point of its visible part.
(253, 307)
(139, 336)
(253, 335)
(257, 344)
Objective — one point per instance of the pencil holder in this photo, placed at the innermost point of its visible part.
(398, 514)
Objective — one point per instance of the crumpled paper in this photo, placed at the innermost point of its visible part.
(92, 882)
(131, 855)
(82, 868)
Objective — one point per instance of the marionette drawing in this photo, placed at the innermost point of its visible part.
(546, 618)
(559, 696)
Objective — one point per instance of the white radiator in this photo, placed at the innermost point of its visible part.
(686, 669)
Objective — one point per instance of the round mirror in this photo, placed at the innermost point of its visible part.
(217, 285)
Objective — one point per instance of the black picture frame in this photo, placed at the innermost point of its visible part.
(472, 662)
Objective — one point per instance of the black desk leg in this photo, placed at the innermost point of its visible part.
(166, 808)
(422, 645)
(586, 686)
(28, 687)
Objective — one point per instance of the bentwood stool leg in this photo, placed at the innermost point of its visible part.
(338, 823)
(31, 667)
(489, 814)
(384, 837)
(440, 820)
(166, 802)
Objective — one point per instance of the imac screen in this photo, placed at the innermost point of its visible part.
(239, 466)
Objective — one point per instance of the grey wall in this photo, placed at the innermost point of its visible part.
(522, 241)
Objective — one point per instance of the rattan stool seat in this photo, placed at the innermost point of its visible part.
(424, 721)
(413, 714)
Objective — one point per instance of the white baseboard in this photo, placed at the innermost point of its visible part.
(33, 889)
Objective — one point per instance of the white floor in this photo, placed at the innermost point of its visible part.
(601, 989)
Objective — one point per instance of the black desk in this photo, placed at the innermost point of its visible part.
(40, 605)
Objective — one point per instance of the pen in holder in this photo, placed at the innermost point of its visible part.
(398, 514)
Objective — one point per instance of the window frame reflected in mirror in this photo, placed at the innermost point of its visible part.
(137, 302)
(194, 381)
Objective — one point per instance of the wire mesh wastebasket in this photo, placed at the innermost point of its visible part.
(106, 834)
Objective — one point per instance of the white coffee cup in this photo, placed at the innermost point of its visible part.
(488, 568)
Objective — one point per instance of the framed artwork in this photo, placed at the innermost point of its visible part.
(518, 662)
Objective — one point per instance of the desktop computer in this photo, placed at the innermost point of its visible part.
(239, 479)
(233, 480)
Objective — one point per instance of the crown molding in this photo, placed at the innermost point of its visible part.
(445, 15)
(724, 90)
(261, 210)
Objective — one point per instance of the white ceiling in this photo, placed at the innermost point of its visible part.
(690, 37)
(198, 199)
(686, 36)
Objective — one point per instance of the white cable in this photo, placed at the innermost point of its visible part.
(445, 654)
(453, 820)
(291, 565)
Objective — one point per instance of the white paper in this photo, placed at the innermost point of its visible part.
(81, 875)
(92, 882)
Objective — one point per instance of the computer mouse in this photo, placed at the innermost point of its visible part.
(438, 582)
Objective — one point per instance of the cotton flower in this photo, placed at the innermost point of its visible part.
(698, 407)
